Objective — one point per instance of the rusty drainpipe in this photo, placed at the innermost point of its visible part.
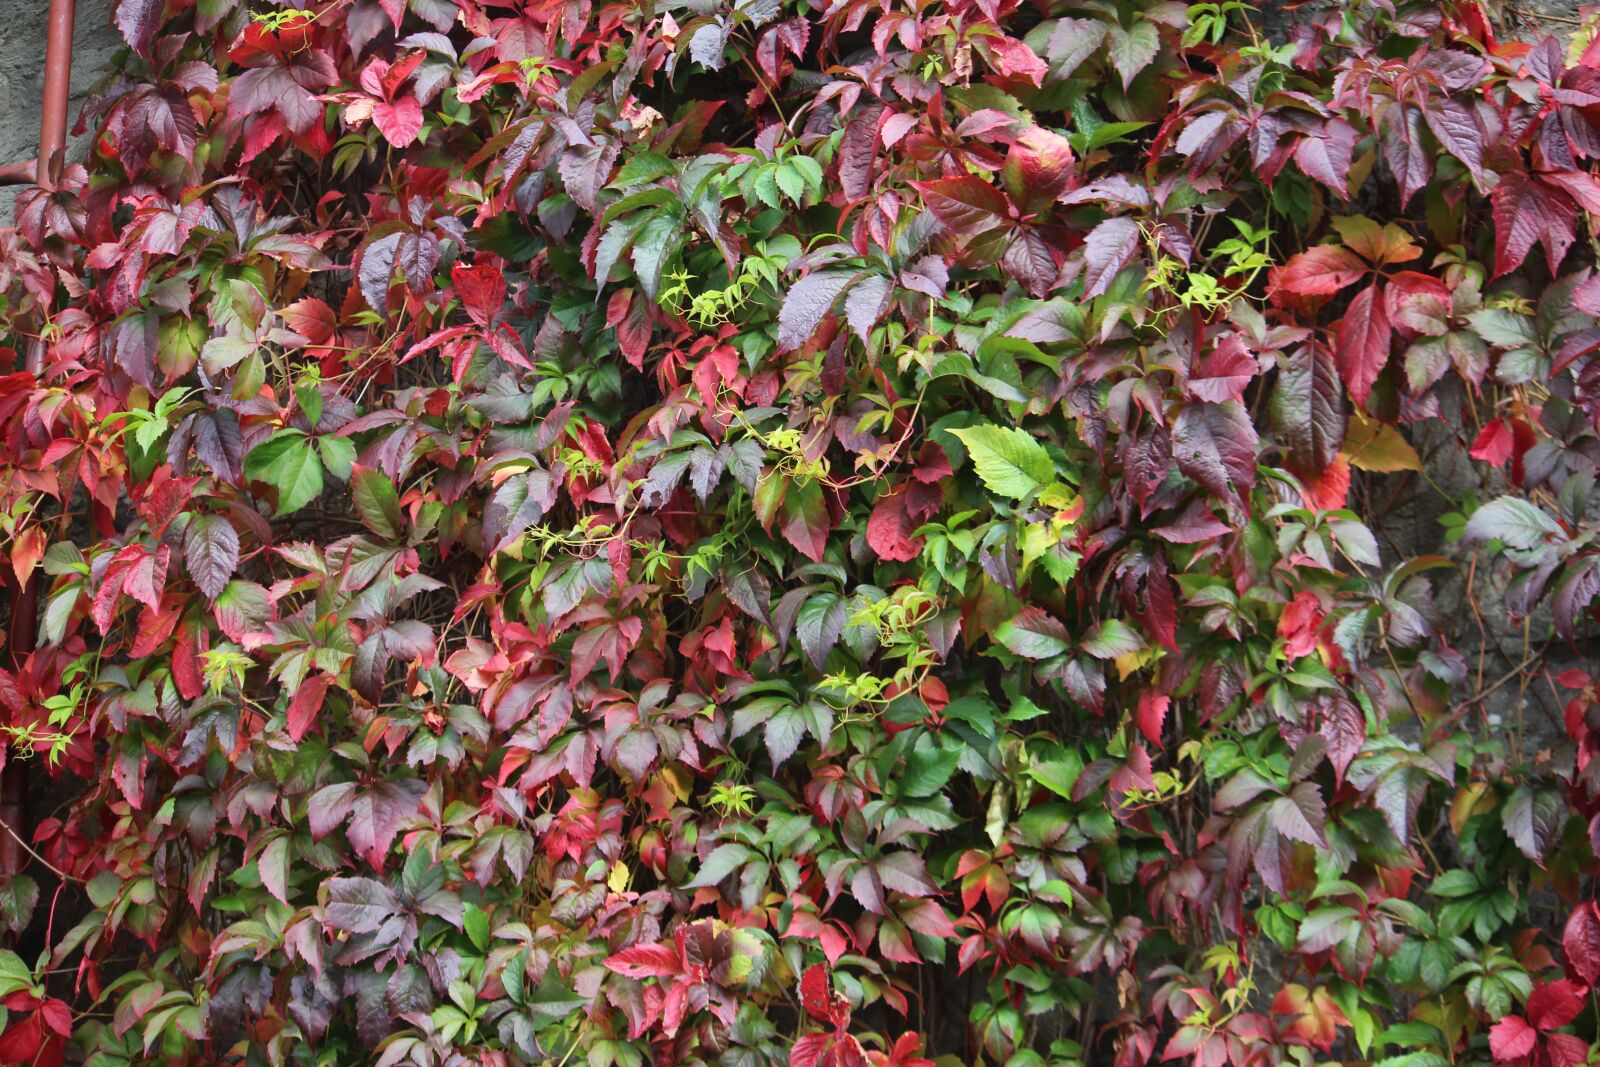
(43, 170)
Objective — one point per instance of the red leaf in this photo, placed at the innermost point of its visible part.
(57, 1015)
(1581, 942)
(889, 530)
(306, 703)
(186, 663)
(1512, 1038)
(1012, 58)
(1038, 169)
(629, 316)
(1153, 714)
(21, 1041)
(808, 1049)
(1566, 1050)
(1556, 1004)
(790, 36)
(1319, 271)
(818, 998)
(967, 206)
(1224, 373)
(1417, 303)
(646, 961)
(1161, 607)
(147, 577)
(611, 640)
(1329, 490)
(311, 319)
(1529, 212)
(1494, 443)
(1362, 340)
(1317, 1015)
(1580, 185)
(482, 289)
(1299, 623)
(400, 121)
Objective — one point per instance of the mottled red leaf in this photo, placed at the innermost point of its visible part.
(1361, 342)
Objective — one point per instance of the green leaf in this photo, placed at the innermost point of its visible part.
(791, 181)
(655, 244)
(1513, 521)
(644, 167)
(819, 624)
(1532, 818)
(1058, 775)
(377, 502)
(220, 353)
(476, 924)
(338, 455)
(287, 462)
(723, 861)
(1112, 638)
(928, 767)
(1033, 634)
(1134, 48)
(1010, 462)
(554, 999)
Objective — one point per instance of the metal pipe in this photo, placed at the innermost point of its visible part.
(57, 89)
(24, 173)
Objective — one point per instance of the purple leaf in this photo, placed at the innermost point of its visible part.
(1307, 410)
(1106, 250)
(866, 302)
(1460, 132)
(1300, 816)
(375, 268)
(138, 21)
(359, 905)
(807, 303)
(377, 813)
(417, 255)
(211, 550)
(1215, 444)
(1326, 156)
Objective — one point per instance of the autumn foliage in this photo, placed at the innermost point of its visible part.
(754, 532)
